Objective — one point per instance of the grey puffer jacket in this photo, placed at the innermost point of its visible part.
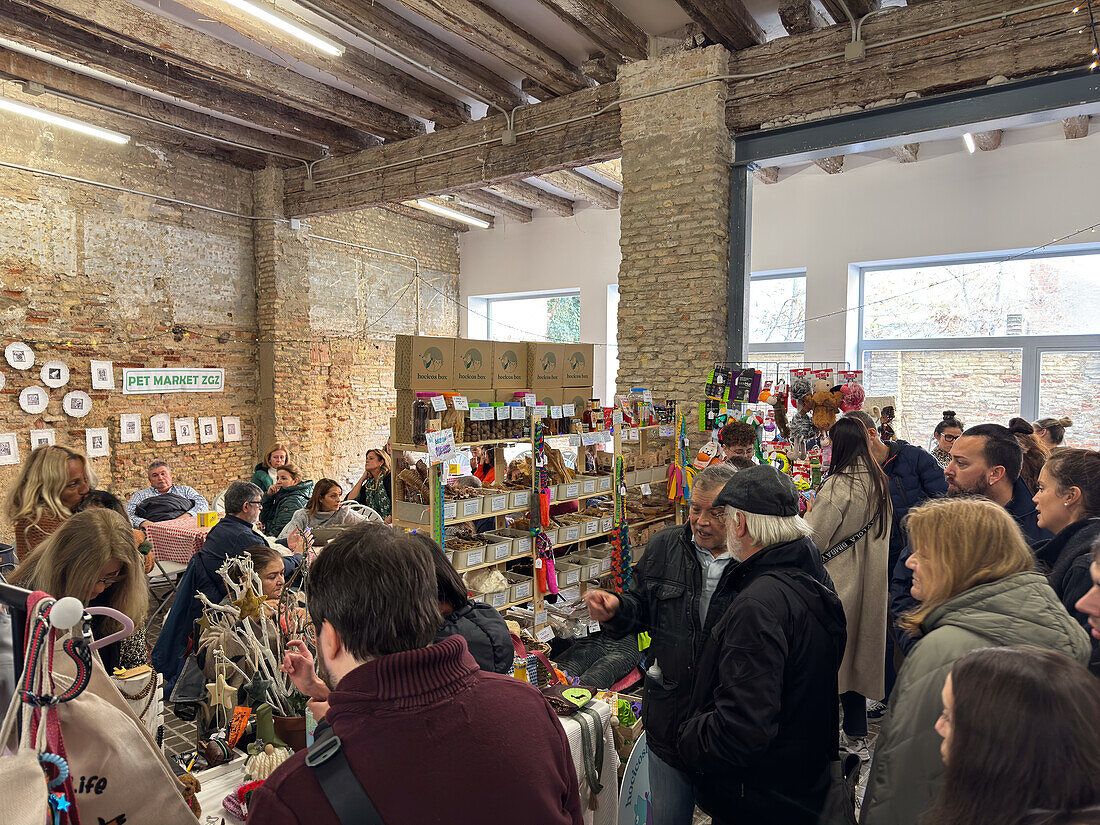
(907, 772)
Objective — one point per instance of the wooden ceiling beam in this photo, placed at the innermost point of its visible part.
(584, 187)
(532, 88)
(1040, 41)
(495, 205)
(76, 45)
(146, 32)
(858, 8)
(385, 83)
(127, 105)
(1076, 127)
(907, 153)
(530, 195)
(365, 17)
(600, 67)
(727, 22)
(603, 24)
(487, 29)
(612, 170)
(465, 157)
(801, 16)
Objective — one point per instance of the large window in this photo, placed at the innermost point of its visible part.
(777, 319)
(989, 339)
(526, 316)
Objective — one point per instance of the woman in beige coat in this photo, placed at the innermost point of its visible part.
(850, 518)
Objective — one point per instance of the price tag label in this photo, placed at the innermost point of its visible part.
(593, 627)
(646, 490)
(616, 419)
(570, 594)
(528, 399)
(545, 634)
(603, 437)
(575, 440)
(503, 413)
(540, 617)
(633, 435)
(475, 557)
(539, 410)
(441, 445)
(439, 403)
(666, 430)
(588, 438)
(647, 397)
(518, 413)
(481, 414)
(569, 410)
(592, 527)
(461, 403)
(555, 412)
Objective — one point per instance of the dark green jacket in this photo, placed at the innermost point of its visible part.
(280, 508)
(907, 773)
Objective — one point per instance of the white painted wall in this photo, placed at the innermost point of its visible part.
(549, 253)
(1036, 187)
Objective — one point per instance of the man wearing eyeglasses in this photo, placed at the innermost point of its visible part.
(677, 593)
(231, 536)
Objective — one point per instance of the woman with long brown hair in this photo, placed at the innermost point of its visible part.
(1052, 431)
(974, 578)
(92, 557)
(1036, 452)
(51, 487)
(373, 487)
(850, 517)
(322, 510)
(1021, 740)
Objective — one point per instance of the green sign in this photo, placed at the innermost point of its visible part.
(172, 379)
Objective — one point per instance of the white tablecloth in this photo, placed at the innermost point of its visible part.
(219, 782)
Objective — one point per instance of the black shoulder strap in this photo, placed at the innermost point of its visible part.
(344, 791)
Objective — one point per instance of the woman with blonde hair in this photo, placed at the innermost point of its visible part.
(50, 489)
(92, 557)
(264, 476)
(975, 579)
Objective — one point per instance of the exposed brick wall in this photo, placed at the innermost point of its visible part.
(674, 224)
(84, 271)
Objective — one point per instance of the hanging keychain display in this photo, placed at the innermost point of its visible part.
(620, 535)
(545, 574)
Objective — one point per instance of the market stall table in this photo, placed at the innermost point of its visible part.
(177, 540)
(219, 782)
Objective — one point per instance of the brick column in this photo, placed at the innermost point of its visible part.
(674, 224)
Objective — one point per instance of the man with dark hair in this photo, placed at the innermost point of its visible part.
(985, 461)
(763, 718)
(231, 536)
(678, 592)
(738, 440)
(427, 734)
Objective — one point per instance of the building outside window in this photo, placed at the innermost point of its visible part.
(534, 317)
(777, 322)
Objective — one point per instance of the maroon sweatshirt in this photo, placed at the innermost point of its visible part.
(435, 739)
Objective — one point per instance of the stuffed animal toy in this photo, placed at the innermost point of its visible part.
(189, 787)
(824, 404)
(800, 391)
(264, 763)
(852, 396)
(802, 427)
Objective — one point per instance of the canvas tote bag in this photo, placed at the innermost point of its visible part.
(25, 794)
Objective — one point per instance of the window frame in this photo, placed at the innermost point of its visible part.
(777, 347)
(503, 298)
(1032, 346)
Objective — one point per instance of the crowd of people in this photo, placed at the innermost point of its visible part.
(953, 591)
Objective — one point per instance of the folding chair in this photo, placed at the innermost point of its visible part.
(164, 574)
(369, 513)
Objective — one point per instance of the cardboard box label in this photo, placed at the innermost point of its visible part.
(424, 363)
(589, 485)
(520, 498)
(509, 365)
(572, 490)
(523, 546)
(544, 364)
(473, 363)
(498, 599)
(577, 367)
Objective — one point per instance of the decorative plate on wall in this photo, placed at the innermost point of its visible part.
(33, 400)
(77, 403)
(19, 355)
(55, 374)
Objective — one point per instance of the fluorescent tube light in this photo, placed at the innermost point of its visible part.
(284, 24)
(971, 146)
(62, 121)
(453, 214)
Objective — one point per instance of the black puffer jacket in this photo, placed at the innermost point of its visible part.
(664, 601)
(764, 721)
(915, 476)
(1066, 559)
(486, 635)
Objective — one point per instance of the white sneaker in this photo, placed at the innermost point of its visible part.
(857, 745)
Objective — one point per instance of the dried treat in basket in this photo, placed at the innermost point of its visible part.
(413, 489)
(486, 580)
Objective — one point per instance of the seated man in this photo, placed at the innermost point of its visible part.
(160, 483)
(232, 536)
(428, 735)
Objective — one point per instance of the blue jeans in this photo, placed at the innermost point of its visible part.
(670, 790)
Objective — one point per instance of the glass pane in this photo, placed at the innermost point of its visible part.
(1041, 296)
(1067, 387)
(777, 310)
(981, 385)
(556, 318)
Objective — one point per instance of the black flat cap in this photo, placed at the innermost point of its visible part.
(762, 490)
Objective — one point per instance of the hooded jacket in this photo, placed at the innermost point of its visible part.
(279, 509)
(1023, 512)
(907, 771)
(664, 601)
(263, 477)
(764, 720)
(486, 635)
(229, 537)
(1066, 559)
